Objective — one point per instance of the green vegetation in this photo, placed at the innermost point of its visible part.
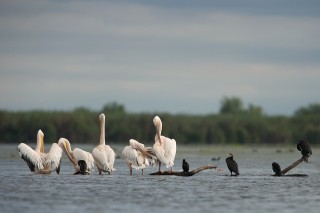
(234, 124)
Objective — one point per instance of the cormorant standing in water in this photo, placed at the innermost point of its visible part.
(232, 165)
(276, 168)
(305, 149)
(185, 166)
(83, 168)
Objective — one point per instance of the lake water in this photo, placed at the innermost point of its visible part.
(255, 190)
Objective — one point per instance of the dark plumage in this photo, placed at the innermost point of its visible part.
(305, 149)
(185, 166)
(276, 168)
(83, 168)
(58, 168)
(29, 162)
(232, 165)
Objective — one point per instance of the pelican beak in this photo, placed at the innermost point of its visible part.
(68, 154)
(64, 147)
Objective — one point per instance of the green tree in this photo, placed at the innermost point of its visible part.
(114, 107)
(312, 109)
(254, 110)
(231, 105)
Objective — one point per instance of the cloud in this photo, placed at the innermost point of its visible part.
(150, 56)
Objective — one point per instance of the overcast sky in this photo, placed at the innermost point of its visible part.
(159, 56)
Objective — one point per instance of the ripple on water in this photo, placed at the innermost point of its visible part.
(255, 190)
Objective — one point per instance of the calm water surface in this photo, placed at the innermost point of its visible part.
(255, 190)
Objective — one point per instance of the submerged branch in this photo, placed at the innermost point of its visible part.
(190, 173)
(291, 166)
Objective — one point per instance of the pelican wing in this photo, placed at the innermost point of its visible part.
(130, 154)
(146, 153)
(31, 157)
(53, 158)
(142, 161)
(90, 161)
(111, 156)
(79, 154)
(100, 158)
(170, 148)
(166, 151)
(104, 157)
(153, 160)
(135, 158)
(135, 143)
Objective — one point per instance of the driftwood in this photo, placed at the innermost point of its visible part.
(291, 166)
(284, 171)
(190, 173)
(306, 151)
(292, 175)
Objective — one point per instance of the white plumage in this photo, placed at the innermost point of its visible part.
(164, 148)
(138, 156)
(76, 155)
(103, 154)
(38, 161)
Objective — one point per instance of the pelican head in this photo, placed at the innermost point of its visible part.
(40, 133)
(66, 147)
(40, 142)
(102, 116)
(156, 120)
(158, 124)
(133, 143)
(230, 155)
(64, 144)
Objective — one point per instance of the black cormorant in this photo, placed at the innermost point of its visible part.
(232, 165)
(83, 168)
(185, 166)
(276, 168)
(305, 149)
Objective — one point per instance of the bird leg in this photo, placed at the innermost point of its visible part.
(159, 166)
(142, 171)
(130, 168)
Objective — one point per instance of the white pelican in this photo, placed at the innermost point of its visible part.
(137, 156)
(164, 148)
(103, 154)
(77, 155)
(38, 161)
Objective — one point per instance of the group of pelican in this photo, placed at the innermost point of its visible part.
(136, 155)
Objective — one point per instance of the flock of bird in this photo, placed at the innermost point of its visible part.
(136, 155)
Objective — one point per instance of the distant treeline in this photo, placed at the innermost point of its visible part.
(233, 124)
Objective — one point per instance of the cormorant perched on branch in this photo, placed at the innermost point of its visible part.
(305, 149)
(185, 166)
(232, 165)
(276, 168)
